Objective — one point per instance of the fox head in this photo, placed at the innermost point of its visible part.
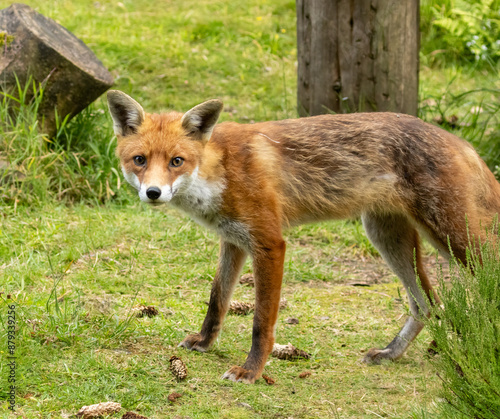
(161, 154)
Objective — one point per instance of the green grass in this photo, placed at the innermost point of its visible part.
(78, 164)
(465, 101)
(77, 251)
(171, 54)
(74, 274)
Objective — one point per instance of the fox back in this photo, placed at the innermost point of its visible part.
(308, 169)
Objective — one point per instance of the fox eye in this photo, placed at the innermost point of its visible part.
(140, 160)
(176, 161)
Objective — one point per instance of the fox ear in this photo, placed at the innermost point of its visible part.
(201, 119)
(127, 114)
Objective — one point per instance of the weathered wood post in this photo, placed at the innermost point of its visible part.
(357, 55)
(37, 46)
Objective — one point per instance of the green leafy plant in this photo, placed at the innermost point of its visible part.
(459, 30)
(78, 164)
(466, 329)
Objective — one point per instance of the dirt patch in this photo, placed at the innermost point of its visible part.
(364, 270)
(433, 266)
(373, 270)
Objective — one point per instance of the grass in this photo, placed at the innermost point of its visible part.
(74, 274)
(465, 101)
(78, 164)
(77, 251)
(172, 54)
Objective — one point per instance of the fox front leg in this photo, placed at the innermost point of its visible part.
(231, 260)
(268, 273)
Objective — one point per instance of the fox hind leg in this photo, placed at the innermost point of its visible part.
(398, 242)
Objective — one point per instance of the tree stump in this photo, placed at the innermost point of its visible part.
(34, 45)
(357, 56)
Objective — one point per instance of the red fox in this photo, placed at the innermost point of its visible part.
(248, 182)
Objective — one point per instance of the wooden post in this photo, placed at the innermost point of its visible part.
(357, 55)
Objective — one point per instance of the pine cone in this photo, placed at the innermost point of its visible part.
(288, 352)
(96, 410)
(172, 397)
(283, 303)
(133, 415)
(143, 311)
(178, 368)
(269, 381)
(305, 374)
(247, 279)
(241, 308)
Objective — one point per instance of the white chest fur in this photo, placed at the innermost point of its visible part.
(202, 201)
(199, 198)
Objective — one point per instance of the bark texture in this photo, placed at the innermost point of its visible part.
(37, 46)
(357, 55)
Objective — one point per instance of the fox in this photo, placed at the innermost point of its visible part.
(403, 177)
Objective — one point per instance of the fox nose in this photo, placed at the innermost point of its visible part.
(153, 193)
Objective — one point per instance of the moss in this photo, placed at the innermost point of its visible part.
(5, 38)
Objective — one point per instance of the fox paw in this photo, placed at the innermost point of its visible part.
(240, 375)
(194, 343)
(376, 356)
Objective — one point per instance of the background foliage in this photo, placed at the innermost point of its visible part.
(463, 31)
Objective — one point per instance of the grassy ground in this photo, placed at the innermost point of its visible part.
(172, 54)
(75, 272)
